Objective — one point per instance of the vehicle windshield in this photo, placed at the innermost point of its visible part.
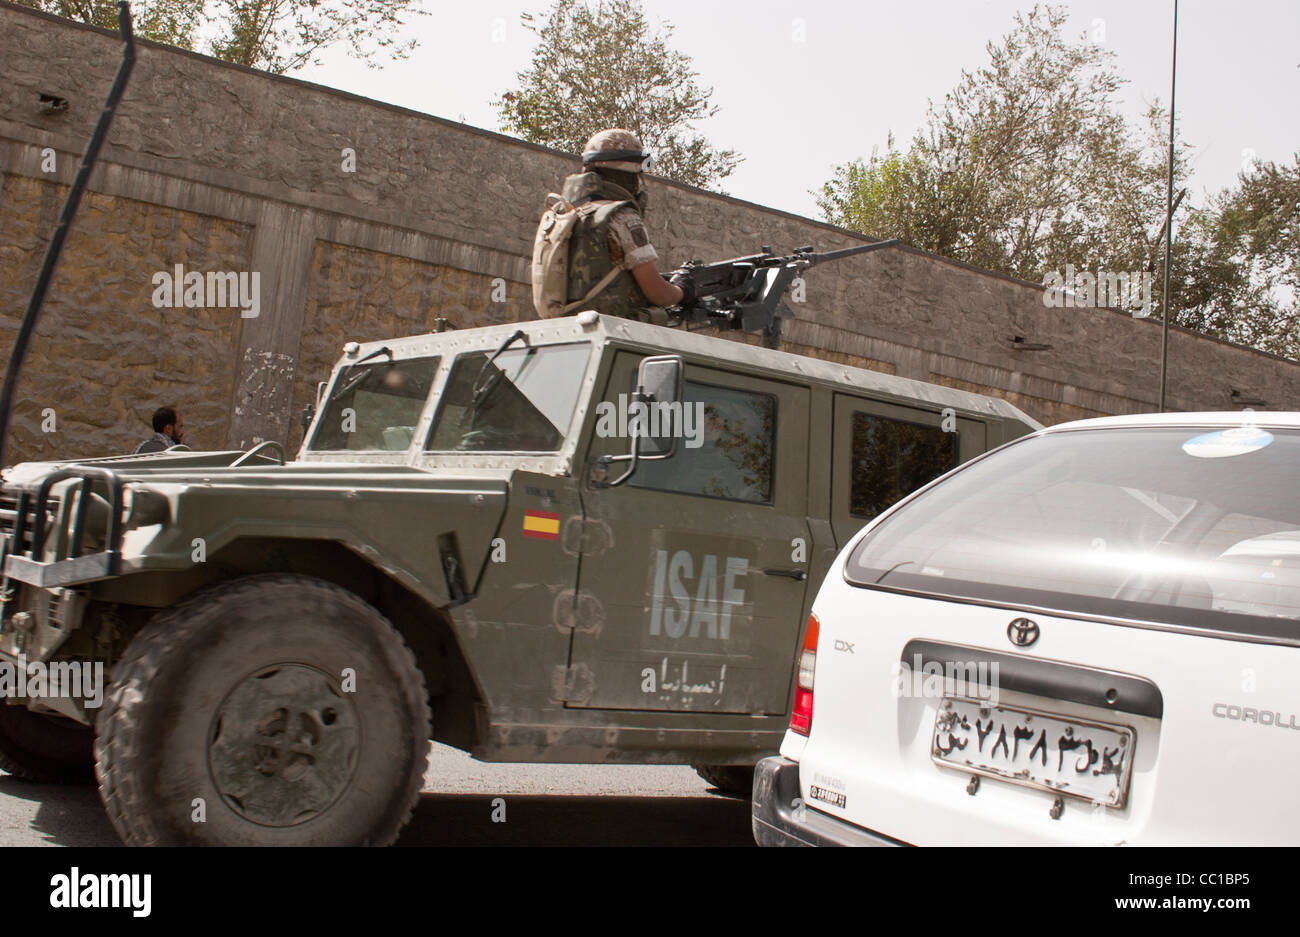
(375, 405)
(522, 401)
(1189, 526)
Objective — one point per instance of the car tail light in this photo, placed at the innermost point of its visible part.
(801, 715)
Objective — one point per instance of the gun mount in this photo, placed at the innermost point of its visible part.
(746, 293)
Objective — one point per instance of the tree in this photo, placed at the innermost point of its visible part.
(1237, 262)
(283, 35)
(602, 67)
(171, 21)
(275, 35)
(1026, 167)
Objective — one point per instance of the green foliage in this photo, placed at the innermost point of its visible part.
(602, 66)
(275, 35)
(888, 193)
(1028, 166)
(283, 35)
(171, 21)
(1240, 262)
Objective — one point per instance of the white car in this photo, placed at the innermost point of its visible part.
(1088, 636)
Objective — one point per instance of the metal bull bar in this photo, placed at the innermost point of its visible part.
(22, 560)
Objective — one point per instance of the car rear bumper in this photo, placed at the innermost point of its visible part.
(780, 819)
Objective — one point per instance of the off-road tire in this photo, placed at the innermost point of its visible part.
(736, 780)
(183, 712)
(47, 749)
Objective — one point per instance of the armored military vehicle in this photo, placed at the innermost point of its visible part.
(574, 540)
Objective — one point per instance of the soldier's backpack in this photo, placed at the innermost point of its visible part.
(551, 260)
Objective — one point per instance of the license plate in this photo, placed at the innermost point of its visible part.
(1051, 753)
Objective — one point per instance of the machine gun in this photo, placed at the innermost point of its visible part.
(745, 293)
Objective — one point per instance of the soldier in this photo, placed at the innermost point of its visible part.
(610, 233)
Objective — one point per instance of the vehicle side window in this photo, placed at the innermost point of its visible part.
(727, 450)
(893, 458)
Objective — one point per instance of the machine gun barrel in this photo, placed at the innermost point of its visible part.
(846, 251)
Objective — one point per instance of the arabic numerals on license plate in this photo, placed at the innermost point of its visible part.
(1039, 749)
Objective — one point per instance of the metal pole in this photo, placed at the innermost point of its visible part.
(28, 326)
(1151, 254)
(1169, 224)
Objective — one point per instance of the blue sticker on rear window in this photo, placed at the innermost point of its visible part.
(1227, 442)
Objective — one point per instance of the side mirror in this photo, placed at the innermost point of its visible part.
(320, 394)
(654, 415)
(659, 391)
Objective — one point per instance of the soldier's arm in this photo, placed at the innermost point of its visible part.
(631, 249)
(658, 290)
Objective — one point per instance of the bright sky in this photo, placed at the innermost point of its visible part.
(794, 109)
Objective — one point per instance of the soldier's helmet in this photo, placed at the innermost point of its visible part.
(615, 149)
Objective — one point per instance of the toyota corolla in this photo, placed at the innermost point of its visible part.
(1086, 636)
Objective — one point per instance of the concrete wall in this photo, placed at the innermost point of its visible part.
(221, 168)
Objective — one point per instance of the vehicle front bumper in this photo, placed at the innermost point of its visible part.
(779, 817)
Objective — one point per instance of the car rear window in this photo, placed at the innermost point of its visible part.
(1188, 526)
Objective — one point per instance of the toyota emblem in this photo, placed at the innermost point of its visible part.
(1022, 632)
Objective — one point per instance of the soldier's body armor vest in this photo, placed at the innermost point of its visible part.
(596, 200)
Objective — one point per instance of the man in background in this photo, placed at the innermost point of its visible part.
(168, 431)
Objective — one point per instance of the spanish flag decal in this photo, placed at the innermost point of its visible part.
(541, 525)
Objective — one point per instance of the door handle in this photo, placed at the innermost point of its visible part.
(798, 575)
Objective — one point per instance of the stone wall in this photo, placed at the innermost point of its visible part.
(221, 168)
(102, 354)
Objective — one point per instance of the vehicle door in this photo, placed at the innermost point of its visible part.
(693, 572)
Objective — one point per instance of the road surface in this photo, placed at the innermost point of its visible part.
(533, 805)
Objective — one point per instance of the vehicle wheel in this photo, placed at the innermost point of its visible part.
(737, 780)
(274, 710)
(48, 749)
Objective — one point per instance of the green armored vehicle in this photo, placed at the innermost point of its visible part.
(575, 540)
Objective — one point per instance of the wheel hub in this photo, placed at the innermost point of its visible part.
(283, 745)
